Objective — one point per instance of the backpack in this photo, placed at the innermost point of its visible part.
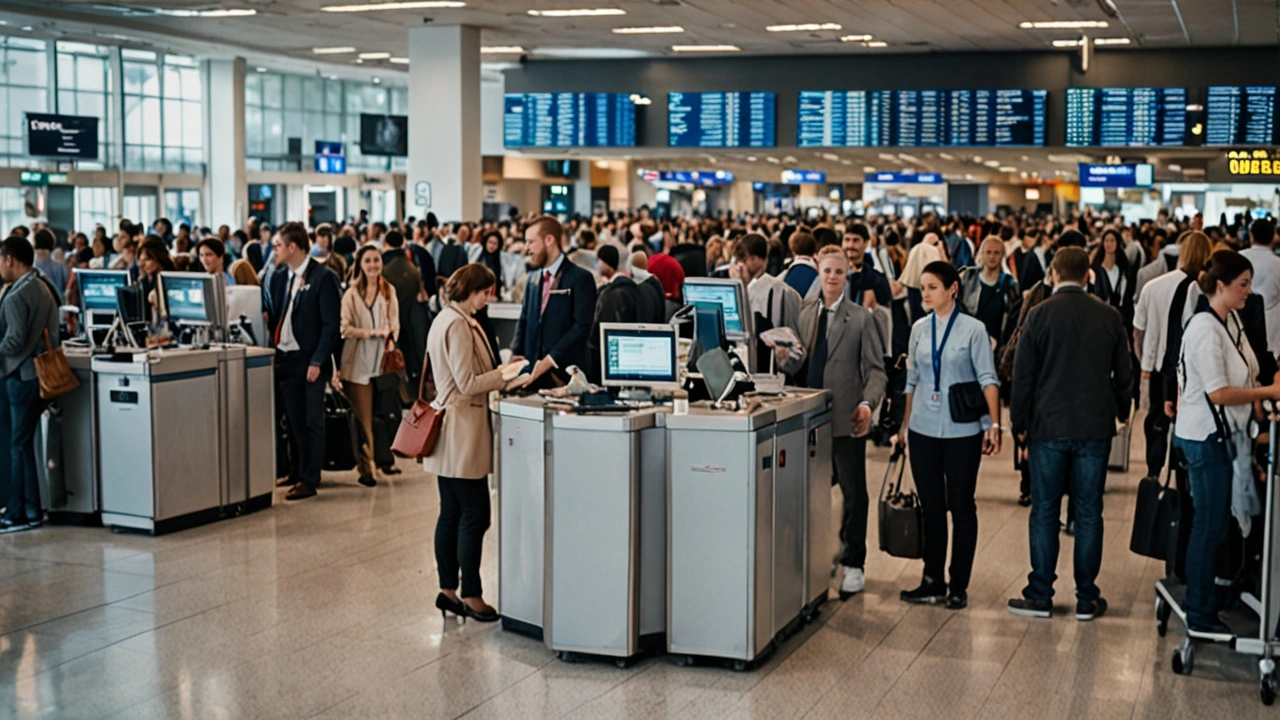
(1038, 294)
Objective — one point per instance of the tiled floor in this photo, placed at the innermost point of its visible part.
(323, 609)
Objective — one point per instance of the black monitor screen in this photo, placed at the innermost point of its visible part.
(186, 298)
(98, 289)
(384, 135)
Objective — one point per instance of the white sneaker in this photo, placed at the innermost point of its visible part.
(854, 582)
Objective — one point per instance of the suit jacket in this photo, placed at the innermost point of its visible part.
(1072, 377)
(855, 360)
(452, 257)
(28, 307)
(619, 302)
(465, 374)
(426, 266)
(562, 330)
(317, 312)
(403, 276)
(651, 301)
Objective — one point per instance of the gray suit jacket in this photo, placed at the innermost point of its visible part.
(27, 307)
(855, 360)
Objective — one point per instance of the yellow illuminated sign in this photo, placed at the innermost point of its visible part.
(1253, 162)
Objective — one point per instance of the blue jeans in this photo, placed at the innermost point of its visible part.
(1052, 462)
(25, 406)
(1209, 475)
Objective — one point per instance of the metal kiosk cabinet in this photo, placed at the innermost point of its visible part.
(605, 575)
(522, 454)
(250, 431)
(817, 519)
(79, 448)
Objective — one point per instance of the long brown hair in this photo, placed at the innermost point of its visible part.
(357, 277)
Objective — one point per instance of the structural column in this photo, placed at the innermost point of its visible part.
(226, 191)
(445, 174)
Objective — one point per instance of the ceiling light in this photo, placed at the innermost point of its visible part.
(333, 50)
(602, 164)
(1111, 41)
(227, 12)
(1008, 169)
(751, 158)
(580, 12)
(399, 60)
(992, 163)
(261, 69)
(374, 56)
(1063, 24)
(502, 50)
(855, 38)
(657, 30)
(359, 61)
(377, 81)
(868, 168)
(804, 27)
(406, 5)
(877, 44)
(333, 77)
(705, 48)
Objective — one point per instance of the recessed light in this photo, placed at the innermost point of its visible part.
(804, 27)
(1111, 41)
(261, 69)
(502, 50)
(332, 50)
(374, 56)
(399, 60)
(992, 163)
(359, 61)
(705, 48)
(751, 158)
(409, 5)
(1008, 169)
(877, 44)
(578, 12)
(656, 30)
(1063, 24)
(333, 77)
(602, 164)
(377, 81)
(855, 38)
(227, 12)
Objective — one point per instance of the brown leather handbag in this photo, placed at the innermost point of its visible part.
(392, 359)
(56, 378)
(420, 427)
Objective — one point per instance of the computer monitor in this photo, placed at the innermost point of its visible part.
(730, 295)
(709, 331)
(188, 298)
(638, 356)
(98, 295)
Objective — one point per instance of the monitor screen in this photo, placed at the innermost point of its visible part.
(1126, 117)
(721, 119)
(186, 298)
(69, 137)
(568, 120)
(1241, 116)
(384, 135)
(639, 354)
(724, 295)
(98, 288)
(911, 118)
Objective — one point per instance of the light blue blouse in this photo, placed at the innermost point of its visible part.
(966, 357)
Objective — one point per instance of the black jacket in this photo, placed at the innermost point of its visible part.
(652, 301)
(619, 302)
(426, 266)
(560, 331)
(317, 309)
(452, 257)
(1072, 377)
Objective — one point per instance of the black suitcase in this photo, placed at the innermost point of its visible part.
(1156, 519)
(901, 516)
(384, 432)
(340, 432)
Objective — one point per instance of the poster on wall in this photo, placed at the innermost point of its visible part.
(73, 137)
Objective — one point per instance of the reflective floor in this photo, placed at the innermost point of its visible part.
(323, 609)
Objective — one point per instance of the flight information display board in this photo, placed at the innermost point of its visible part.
(918, 118)
(1126, 117)
(721, 119)
(1241, 116)
(569, 120)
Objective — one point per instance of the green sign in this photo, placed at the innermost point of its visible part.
(57, 178)
(30, 177)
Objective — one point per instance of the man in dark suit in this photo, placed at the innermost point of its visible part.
(304, 302)
(1071, 384)
(652, 301)
(619, 302)
(559, 305)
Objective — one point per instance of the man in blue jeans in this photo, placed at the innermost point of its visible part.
(1071, 384)
(27, 309)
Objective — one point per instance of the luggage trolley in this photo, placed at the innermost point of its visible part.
(1249, 636)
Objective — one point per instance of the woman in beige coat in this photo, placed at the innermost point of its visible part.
(465, 371)
(370, 321)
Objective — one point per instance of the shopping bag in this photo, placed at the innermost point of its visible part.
(901, 517)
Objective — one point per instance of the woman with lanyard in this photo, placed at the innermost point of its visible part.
(1217, 390)
(950, 398)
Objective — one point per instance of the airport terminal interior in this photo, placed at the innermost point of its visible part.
(639, 358)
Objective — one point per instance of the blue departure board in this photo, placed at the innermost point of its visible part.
(721, 119)
(1126, 117)
(569, 120)
(1241, 116)
(921, 118)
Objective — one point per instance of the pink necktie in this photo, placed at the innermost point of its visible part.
(546, 289)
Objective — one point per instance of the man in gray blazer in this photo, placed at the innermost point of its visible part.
(842, 352)
(27, 309)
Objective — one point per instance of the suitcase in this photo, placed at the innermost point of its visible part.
(1119, 459)
(384, 431)
(341, 432)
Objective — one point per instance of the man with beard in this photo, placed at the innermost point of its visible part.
(559, 305)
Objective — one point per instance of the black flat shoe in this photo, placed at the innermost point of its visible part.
(446, 605)
(390, 470)
(1024, 500)
(957, 601)
(926, 594)
(367, 480)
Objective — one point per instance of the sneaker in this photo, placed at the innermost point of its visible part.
(1216, 629)
(1026, 607)
(855, 581)
(957, 601)
(927, 594)
(1086, 611)
(10, 526)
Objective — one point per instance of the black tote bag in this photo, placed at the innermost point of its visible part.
(1156, 517)
(901, 517)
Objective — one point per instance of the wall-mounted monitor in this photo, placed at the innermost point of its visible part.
(72, 137)
(1126, 117)
(569, 120)
(921, 118)
(721, 119)
(561, 169)
(1241, 115)
(330, 159)
(384, 135)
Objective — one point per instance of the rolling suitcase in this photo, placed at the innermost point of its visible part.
(1119, 459)
(340, 432)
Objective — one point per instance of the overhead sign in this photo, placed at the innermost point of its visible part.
(803, 177)
(329, 158)
(1116, 176)
(40, 179)
(1252, 163)
(72, 137)
(691, 177)
(900, 177)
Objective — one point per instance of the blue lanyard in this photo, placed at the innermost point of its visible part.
(937, 349)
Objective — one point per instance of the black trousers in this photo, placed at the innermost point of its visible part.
(464, 518)
(946, 476)
(1156, 427)
(304, 409)
(849, 461)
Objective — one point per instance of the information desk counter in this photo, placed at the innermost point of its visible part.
(184, 436)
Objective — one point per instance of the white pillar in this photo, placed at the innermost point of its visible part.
(226, 191)
(444, 123)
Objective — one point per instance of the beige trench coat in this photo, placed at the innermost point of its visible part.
(464, 372)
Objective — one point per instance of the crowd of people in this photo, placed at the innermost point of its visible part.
(923, 329)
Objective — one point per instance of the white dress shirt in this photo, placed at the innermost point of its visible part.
(288, 343)
(1151, 315)
(1266, 282)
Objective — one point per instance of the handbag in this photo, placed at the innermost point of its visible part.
(967, 402)
(56, 378)
(420, 427)
(1156, 517)
(392, 359)
(901, 516)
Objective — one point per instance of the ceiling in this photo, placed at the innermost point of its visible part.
(291, 28)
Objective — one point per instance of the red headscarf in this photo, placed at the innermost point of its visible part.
(669, 273)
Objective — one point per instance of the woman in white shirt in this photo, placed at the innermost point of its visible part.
(370, 324)
(1217, 390)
